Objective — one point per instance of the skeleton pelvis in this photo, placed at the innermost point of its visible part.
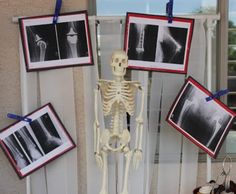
(115, 142)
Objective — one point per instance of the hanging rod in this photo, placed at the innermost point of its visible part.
(110, 18)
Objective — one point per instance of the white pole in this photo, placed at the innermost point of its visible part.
(209, 78)
(209, 54)
(24, 98)
(115, 18)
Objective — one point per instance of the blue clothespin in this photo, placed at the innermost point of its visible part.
(217, 94)
(18, 117)
(57, 11)
(169, 10)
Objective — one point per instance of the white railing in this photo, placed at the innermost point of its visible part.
(177, 156)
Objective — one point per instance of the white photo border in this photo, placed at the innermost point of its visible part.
(152, 63)
(66, 145)
(37, 21)
(215, 103)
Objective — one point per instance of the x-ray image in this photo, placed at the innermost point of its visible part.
(64, 44)
(154, 44)
(31, 145)
(46, 133)
(142, 42)
(205, 123)
(171, 45)
(16, 152)
(42, 43)
(72, 39)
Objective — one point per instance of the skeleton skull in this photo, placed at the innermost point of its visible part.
(119, 63)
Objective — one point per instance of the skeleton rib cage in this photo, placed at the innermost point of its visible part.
(118, 95)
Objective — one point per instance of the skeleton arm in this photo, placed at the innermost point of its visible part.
(96, 127)
(139, 133)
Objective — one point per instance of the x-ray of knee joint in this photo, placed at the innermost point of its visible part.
(47, 45)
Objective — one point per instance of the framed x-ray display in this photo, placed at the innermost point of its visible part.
(64, 44)
(29, 146)
(154, 44)
(205, 123)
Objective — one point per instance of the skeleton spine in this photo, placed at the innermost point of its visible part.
(116, 123)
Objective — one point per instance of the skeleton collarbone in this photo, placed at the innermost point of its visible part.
(118, 94)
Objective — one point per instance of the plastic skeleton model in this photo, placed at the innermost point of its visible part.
(118, 98)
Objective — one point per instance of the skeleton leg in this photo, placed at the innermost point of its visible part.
(128, 155)
(104, 189)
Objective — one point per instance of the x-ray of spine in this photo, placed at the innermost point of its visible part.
(29, 144)
(16, 152)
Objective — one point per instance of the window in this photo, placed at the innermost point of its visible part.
(232, 72)
(113, 7)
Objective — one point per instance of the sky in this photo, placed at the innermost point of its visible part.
(120, 7)
(232, 11)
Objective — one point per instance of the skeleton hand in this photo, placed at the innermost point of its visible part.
(137, 158)
(96, 124)
(98, 159)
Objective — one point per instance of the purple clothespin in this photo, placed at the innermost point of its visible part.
(217, 94)
(18, 117)
(57, 11)
(169, 10)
